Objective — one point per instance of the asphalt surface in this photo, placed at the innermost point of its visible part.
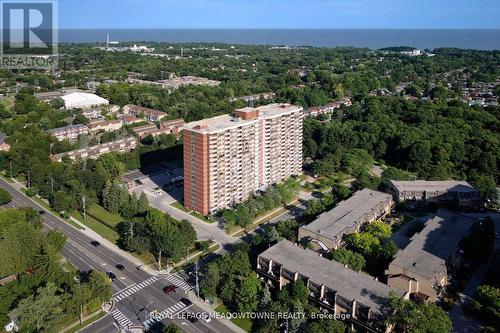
(84, 256)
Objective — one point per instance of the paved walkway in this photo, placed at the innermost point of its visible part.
(462, 323)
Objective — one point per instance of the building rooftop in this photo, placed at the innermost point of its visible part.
(82, 100)
(68, 128)
(433, 186)
(429, 249)
(331, 224)
(224, 122)
(146, 111)
(346, 282)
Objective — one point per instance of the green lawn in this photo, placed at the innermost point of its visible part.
(244, 323)
(178, 205)
(201, 217)
(100, 213)
(97, 226)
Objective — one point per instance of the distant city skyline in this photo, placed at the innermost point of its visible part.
(362, 14)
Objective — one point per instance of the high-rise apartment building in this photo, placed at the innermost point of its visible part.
(227, 159)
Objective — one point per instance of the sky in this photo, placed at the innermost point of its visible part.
(279, 14)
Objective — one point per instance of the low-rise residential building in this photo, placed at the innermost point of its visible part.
(129, 119)
(166, 127)
(452, 193)
(349, 216)
(48, 96)
(151, 115)
(423, 268)
(4, 146)
(92, 114)
(176, 82)
(94, 152)
(70, 132)
(255, 97)
(338, 289)
(105, 125)
(328, 108)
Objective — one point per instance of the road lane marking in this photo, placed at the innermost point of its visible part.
(134, 288)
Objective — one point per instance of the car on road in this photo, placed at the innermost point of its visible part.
(120, 267)
(192, 318)
(205, 317)
(95, 243)
(111, 276)
(169, 289)
(41, 212)
(186, 302)
(138, 182)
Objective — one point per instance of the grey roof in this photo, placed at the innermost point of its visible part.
(333, 223)
(67, 128)
(348, 283)
(433, 186)
(429, 249)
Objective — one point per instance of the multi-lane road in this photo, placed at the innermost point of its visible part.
(136, 293)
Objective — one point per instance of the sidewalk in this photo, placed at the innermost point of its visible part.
(206, 308)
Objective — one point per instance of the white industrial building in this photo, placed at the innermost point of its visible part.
(81, 100)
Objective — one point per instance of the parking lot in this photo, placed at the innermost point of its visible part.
(166, 182)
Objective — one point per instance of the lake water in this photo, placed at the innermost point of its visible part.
(482, 39)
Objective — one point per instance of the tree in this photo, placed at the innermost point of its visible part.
(353, 260)
(408, 317)
(100, 286)
(486, 303)
(114, 196)
(247, 296)
(40, 312)
(210, 281)
(5, 197)
(379, 229)
(142, 204)
(172, 328)
(365, 243)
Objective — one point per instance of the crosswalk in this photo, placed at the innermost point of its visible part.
(168, 313)
(132, 290)
(178, 281)
(121, 319)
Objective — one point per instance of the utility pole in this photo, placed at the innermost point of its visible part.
(196, 278)
(147, 314)
(84, 210)
(81, 305)
(10, 166)
(159, 261)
